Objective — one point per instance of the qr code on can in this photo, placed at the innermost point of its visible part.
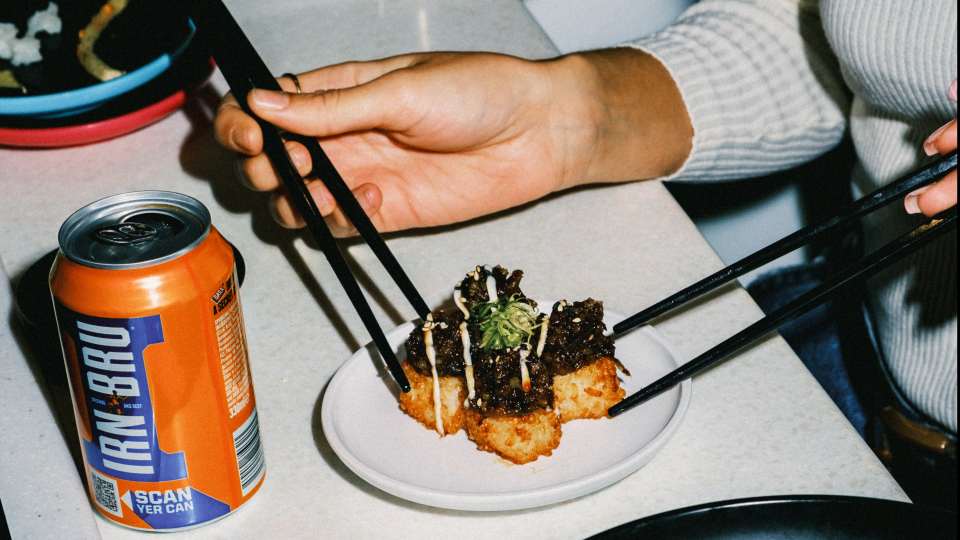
(105, 493)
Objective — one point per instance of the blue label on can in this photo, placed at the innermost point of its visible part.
(115, 388)
(174, 508)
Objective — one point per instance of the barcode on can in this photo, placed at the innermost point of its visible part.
(246, 442)
(105, 493)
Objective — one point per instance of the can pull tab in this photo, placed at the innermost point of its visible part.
(128, 233)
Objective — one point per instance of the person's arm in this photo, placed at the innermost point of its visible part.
(437, 138)
(760, 82)
(431, 139)
(641, 126)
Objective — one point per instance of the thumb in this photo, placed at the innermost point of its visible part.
(375, 105)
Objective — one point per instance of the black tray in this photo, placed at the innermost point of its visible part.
(794, 517)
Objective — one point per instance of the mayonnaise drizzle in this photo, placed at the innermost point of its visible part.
(492, 288)
(524, 372)
(545, 325)
(467, 360)
(458, 300)
(432, 357)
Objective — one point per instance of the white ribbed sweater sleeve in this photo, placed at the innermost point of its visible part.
(761, 85)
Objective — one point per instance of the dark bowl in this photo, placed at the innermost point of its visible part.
(798, 517)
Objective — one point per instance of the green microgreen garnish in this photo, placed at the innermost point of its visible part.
(505, 323)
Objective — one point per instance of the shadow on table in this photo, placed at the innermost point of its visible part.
(40, 344)
(204, 159)
(34, 327)
(332, 461)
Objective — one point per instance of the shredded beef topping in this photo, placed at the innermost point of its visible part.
(575, 336)
(499, 390)
(446, 342)
(473, 288)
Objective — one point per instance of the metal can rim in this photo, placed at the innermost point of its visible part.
(71, 225)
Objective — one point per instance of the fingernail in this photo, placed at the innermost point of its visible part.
(929, 145)
(274, 212)
(912, 204)
(324, 203)
(366, 198)
(234, 138)
(953, 91)
(298, 159)
(238, 171)
(267, 99)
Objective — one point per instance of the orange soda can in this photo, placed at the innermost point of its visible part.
(146, 298)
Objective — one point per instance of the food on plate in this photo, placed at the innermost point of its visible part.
(507, 373)
(25, 50)
(418, 402)
(48, 47)
(89, 36)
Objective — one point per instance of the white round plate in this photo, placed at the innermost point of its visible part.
(388, 449)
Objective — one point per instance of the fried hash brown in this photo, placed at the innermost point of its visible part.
(418, 402)
(587, 392)
(505, 371)
(519, 439)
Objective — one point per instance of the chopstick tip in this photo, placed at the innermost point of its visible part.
(639, 397)
(401, 379)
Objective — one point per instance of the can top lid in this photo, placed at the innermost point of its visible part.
(133, 230)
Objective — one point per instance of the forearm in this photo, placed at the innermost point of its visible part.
(637, 124)
(735, 89)
(760, 82)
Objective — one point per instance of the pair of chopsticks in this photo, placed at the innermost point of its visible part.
(869, 265)
(244, 70)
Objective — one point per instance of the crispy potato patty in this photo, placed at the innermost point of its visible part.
(518, 439)
(587, 392)
(418, 402)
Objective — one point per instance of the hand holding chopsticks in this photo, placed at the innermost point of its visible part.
(890, 253)
(244, 71)
(865, 205)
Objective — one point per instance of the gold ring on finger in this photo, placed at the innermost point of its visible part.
(296, 81)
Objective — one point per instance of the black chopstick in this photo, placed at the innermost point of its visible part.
(864, 205)
(244, 70)
(253, 73)
(869, 265)
(324, 170)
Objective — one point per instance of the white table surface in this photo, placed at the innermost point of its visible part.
(758, 425)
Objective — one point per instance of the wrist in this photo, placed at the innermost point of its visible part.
(575, 115)
(638, 122)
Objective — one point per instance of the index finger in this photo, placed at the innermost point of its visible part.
(237, 130)
(350, 74)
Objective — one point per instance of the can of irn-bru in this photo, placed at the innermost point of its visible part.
(147, 305)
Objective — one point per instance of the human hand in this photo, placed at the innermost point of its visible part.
(422, 140)
(432, 139)
(942, 195)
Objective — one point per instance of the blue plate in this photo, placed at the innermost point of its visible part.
(72, 102)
